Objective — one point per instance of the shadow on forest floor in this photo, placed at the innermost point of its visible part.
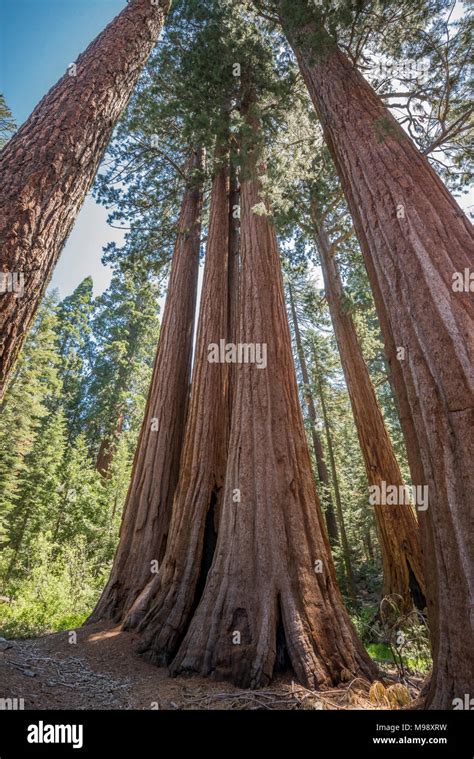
(102, 671)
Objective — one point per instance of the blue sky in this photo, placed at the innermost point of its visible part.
(38, 40)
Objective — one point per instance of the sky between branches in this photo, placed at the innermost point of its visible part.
(38, 40)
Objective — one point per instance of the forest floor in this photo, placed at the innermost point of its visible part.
(102, 670)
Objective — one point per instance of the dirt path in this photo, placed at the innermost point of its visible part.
(97, 668)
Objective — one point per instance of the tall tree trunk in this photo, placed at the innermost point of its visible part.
(147, 512)
(414, 238)
(108, 448)
(111, 437)
(48, 166)
(234, 265)
(368, 543)
(271, 592)
(322, 469)
(197, 503)
(346, 551)
(397, 527)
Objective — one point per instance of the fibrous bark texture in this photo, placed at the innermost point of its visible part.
(48, 166)
(271, 595)
(147, 512)
(397, 527)
(414, 238)
(234, 266)
(171, 599)
(108, 448)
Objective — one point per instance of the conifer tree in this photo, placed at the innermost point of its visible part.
(35, 388)
(401, 211)
(74, 345)
(42, 190)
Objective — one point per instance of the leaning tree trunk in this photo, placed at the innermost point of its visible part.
(147, 512)
(415, 239)
(47, 168)
(397, 527)
(197, 504)
(271, 592)
(321, 467)
(346, 551)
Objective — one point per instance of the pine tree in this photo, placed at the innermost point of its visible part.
(124, 330)
(322, 469)
(34, 390)
(79, 497)
(74, 345)
(346, 549)
(37, 490)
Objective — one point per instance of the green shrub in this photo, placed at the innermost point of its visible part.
(58, 592)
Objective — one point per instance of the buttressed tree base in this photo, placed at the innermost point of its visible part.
(236, 440)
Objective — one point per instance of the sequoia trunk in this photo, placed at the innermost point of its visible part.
(196, 508)
(416, 243)
(48, 166)
(234, 265)
(147, 512)
(271, 595)
(108, 448)
(397, 527)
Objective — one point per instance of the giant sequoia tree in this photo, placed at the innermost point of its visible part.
(402, 213)
(223, 566)
(47, 168)
(397, 527)
(147, 512)
(247, 583)
(198, 500)
(312, 210)
(270, 524)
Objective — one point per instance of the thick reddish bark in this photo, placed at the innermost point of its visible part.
(414, 238)
(397, 527)
(265, 599)
(198, 496)
(147, 512)
(321, 467)
(234, 266)
(48, 166)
